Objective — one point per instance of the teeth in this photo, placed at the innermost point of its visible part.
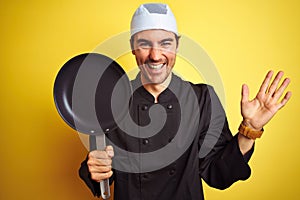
(155, 66)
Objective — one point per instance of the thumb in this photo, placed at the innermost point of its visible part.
(245, 93)
(110, 151)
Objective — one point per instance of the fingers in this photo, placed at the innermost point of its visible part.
(100, 163)
(275, 82)
(264, 86)
(245, 93)
(277, 94)
(110, 151)
(286, 98)
(272, 90)
(101, 176)
(107, 153)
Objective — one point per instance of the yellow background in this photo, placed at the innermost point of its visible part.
(40, 154)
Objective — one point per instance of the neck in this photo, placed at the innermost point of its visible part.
(156, 89)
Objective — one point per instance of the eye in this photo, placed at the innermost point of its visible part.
(165, 44)
(144, 45)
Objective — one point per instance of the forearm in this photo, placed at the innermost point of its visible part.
(226, 166)
(245, 144)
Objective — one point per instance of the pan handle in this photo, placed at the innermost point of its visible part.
(98, 142)
(104, 187)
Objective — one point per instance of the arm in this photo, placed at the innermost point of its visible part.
(224, 164)
(227, 162)
(259, 111)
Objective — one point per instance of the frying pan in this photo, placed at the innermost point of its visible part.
(83, 91)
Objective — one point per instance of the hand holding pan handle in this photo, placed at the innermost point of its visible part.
(82, 93)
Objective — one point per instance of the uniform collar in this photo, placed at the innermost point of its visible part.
(165, 96)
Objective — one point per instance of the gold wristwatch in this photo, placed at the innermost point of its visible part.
(250, 133)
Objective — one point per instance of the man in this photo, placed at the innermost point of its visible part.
(195, 123)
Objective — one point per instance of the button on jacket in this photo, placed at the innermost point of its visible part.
(212, 153)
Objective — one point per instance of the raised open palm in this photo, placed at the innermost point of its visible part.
(257, 112)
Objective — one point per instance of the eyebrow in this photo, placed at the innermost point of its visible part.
(142, 40)
(162, 41)
(166, 40)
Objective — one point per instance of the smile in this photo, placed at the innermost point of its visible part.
(155, 66)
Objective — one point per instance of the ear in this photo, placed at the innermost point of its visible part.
(177, 42)
(132, 46)
(133, 51)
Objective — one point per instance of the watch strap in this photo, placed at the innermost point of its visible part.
(250, 133)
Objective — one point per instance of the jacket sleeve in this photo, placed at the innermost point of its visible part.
(86, 177)
(223, 163)
(226, 167)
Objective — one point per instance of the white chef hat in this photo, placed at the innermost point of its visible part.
(153, 16)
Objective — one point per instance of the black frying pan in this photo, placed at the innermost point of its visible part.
(83, 91)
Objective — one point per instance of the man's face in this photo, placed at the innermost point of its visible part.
(155, 54)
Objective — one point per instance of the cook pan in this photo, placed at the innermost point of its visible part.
(83, 91)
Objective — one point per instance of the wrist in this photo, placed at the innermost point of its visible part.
(247, 123)
(245, 143)
(249, 132)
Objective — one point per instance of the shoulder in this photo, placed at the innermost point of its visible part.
(197, 86)
(202, 89)
(201, 86)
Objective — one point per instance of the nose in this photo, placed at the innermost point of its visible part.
(155, 54)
